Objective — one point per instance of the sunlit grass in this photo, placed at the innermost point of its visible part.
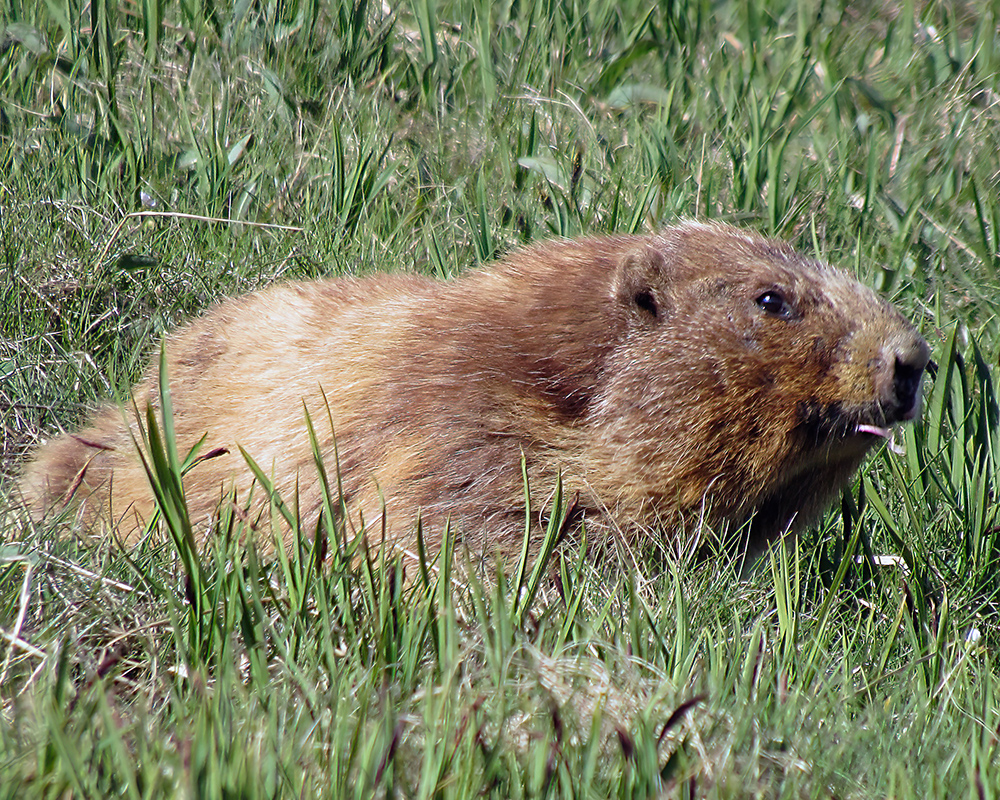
(156, 156)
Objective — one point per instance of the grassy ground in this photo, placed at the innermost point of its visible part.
(155, 156)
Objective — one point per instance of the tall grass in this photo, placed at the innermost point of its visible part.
(156, 156)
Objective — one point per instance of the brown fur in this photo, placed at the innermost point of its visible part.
(641, 368)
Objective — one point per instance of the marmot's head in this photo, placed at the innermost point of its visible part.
(749, 377)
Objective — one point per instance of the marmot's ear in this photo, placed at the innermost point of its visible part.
(640, 282)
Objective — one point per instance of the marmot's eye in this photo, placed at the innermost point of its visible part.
(774, 303)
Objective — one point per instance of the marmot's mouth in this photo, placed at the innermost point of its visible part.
(874, 430)
(889, 434)
(832, 422)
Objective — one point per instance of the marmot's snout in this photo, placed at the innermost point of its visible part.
(909, 357)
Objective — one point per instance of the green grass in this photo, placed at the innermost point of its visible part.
(156, 156)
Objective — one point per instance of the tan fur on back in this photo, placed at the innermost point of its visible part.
(643, 369)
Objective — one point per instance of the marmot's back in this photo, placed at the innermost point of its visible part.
(703, 370)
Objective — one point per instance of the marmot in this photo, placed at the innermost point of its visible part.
(703, 373)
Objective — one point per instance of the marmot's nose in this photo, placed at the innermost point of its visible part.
(910, 357)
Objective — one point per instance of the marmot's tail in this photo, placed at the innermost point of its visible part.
(72, 469)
